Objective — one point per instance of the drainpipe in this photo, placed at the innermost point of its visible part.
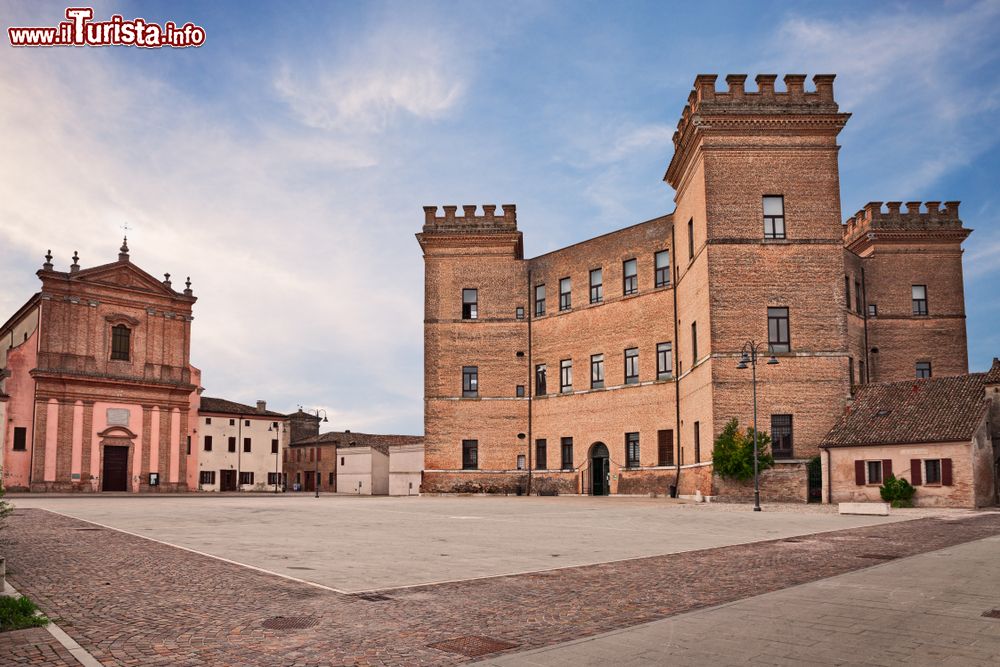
(864, 314)
(829, 478)
(527, 314)
(677, 375)
(239, 451)
(34, 399)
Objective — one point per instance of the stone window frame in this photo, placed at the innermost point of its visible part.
(597, 288)
(775, 219)
(470, 308)
(632, 450)
(120, 322)
(470, 381)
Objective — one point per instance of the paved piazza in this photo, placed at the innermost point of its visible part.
(469, 578)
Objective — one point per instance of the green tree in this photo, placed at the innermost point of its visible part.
(733, 452)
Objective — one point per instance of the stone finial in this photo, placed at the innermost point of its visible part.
(509, 212)
(430, 213)
(75, 266)
(47, 266)
(933, 207)
(893, 207)
(449, 213)
(123, 251)
(913, 207)
(469, 210)
(187, 286)
(166, 280)
(951, 208)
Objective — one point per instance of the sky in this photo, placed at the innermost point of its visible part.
(283, 164)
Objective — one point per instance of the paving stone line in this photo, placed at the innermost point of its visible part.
(131, 601)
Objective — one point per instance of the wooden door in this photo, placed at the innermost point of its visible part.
(115, 469)
(227, 480)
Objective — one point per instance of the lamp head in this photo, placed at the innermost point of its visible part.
(773, 361)
(742, 365)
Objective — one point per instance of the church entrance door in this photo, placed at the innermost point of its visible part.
(115, 472)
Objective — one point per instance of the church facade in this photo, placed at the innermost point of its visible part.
(97, 390)
(611, 365)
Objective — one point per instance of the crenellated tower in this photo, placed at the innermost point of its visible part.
(758, 237)
(911, 307)
(475, 328)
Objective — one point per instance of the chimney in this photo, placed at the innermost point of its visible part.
(261, 406)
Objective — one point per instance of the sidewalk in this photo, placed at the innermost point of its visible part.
(923, 610)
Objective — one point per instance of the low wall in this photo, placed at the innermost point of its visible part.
(785, 482)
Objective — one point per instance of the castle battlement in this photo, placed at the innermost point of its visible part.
(873, 218)
(489, 221)
(704, 98)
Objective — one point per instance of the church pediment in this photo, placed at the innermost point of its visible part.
(123, 274)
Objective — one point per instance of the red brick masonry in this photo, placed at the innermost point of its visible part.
(131, 601)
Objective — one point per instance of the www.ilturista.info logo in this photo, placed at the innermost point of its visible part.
(80, 30)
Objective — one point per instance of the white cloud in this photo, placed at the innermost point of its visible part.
(394, 70)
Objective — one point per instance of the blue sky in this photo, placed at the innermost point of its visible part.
(283, 165)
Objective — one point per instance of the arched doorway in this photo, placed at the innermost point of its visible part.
(600, 470)
(116, 458)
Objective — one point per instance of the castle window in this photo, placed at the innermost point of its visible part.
(232, 443)
(847, 292)
(858, 307)
(781, 436)
(697, 442)
(694, 344)
(665, 447)
(630, 277)
(189, 445)
(566, 375)
(539, 300)
(850, 371)
(861, 372)
(691, 238)
(121, 339)
(470, 304)
(20, 438)
(632, 365)
(597, 371)
(565, 294)
(661, 261)
(923, 369)
(208, 420)
(246, 444)
(567, 453)
(274, 446)
(519, 391)
(774, 217)
(470, 454)
(520, 462)
(596, 286)
(519, 312)
(540, 380)
(470, 381)
(246, 422)
(872, 310)
(232, 422)
(631, 450)
(541, 457)
(777, 330)
(664, 360)
(208, 443)
(919, 293)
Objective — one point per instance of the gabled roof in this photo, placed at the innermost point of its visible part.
(945, 409)
(221, 405)
(122, 273)
(351, 439)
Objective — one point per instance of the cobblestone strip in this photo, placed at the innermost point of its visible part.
(131, 601)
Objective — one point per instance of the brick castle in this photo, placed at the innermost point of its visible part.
(610, 366)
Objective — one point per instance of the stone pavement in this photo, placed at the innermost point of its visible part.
(132, 601)
(33, 646)
(923, 610)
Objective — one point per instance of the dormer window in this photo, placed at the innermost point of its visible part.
(121, 342)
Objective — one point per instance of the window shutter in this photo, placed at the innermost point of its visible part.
(886, 468)
(915, 472)
(859, 473)
(946, 472)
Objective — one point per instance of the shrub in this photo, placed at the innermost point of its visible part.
(5, 507)
(19, 612)
(897, 491)
(733, 452)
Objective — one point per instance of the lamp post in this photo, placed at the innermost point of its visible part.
(276, 427)
(751, 349)
(318, 410)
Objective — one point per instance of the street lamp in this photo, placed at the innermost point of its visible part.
(276, 427)
(318, 410)
(750, 351)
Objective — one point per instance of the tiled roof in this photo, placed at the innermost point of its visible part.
(945, 409)
(993, 375)
(221, 405)
(351, 439)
